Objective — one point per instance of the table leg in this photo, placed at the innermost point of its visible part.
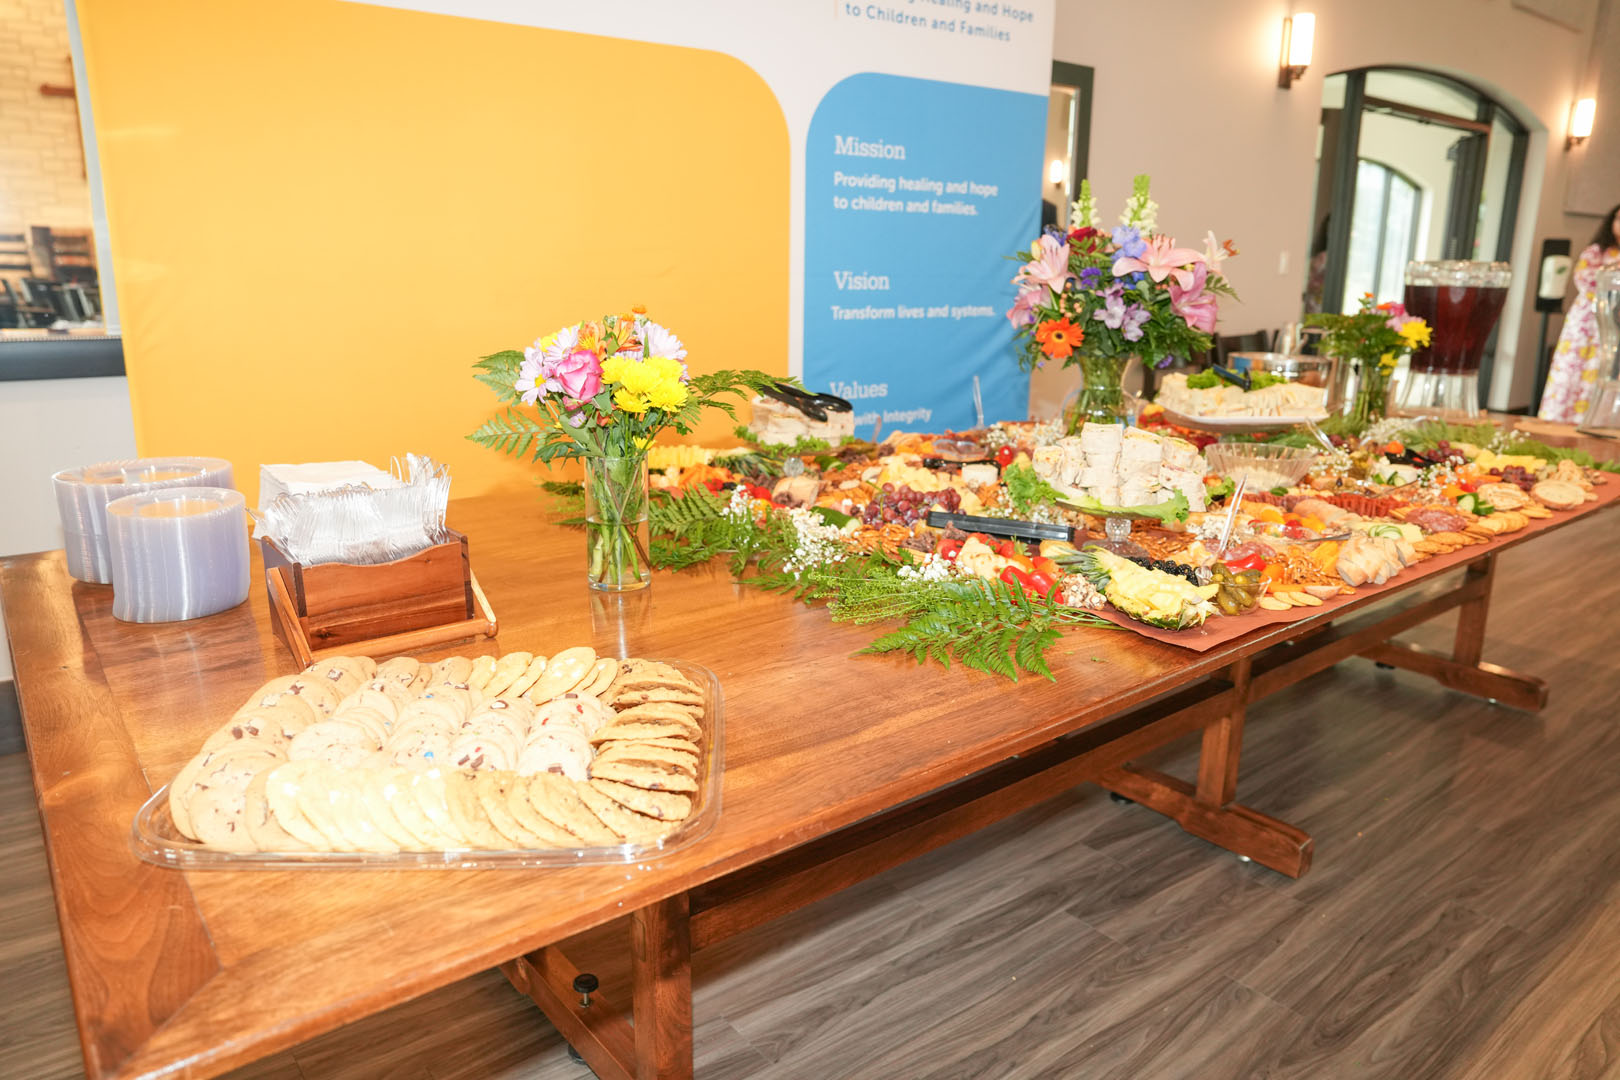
(1463, 669)
(659, 1044)
(1469, 643)
(1207, 810)
(661, 968)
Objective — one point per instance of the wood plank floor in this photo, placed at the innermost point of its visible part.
(1462, 919)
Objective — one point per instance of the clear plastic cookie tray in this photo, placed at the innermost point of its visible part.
(156, 839)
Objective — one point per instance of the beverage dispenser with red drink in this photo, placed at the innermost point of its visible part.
(1461, 302)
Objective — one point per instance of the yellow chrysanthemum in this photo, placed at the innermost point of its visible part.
(630, 401)
(669, 395)
(1387, 362)
(1416, 334)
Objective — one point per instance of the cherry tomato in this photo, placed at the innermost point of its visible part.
(1007, 549)
(983, 539)
(1042, 583)
(949, 550)
(714, 485)
(1005, 456)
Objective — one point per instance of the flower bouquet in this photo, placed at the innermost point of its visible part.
(1095, 299)
(1372, 341)
(602, 391)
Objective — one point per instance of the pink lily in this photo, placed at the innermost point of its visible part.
(1162, 259)
(1022, 312)
(1050, 268)
(1193, 302)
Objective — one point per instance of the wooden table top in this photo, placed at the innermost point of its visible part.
(194, 973)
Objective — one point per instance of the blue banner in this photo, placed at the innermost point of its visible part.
(915, 194)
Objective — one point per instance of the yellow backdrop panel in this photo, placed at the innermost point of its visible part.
(322, 213)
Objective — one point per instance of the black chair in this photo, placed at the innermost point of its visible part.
(28, 311)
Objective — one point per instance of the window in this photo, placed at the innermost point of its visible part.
(1383, 233)
(58, 317)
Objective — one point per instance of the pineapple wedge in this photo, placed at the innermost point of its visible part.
(1149, 596)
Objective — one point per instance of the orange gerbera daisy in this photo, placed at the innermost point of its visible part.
(1059, 337)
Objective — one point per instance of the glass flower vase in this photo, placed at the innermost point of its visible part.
(1101, 397)
(617, 536)
(1371, 401)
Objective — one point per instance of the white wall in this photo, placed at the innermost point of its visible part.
(47, 426)
(1229, 150)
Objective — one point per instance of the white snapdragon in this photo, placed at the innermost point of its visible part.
(1141, 211)
(1083, 214)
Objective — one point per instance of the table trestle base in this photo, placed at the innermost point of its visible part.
(664, 934)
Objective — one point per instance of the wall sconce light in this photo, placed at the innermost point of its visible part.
(1580, 122)
(1055, 171)
(1299, 34)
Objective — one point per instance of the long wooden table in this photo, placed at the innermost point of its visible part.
(835, 768)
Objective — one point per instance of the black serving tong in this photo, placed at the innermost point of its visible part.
(1240, 379)
(815, 406)
(1003, 527)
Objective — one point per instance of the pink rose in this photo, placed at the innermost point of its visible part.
(580, 373)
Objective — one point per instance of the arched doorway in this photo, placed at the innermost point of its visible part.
(1411, 164)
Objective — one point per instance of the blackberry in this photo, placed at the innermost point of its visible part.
(1174, 568)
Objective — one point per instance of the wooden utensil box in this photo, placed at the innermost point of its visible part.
(426, 599)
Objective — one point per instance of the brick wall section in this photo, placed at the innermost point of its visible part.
(41, 169)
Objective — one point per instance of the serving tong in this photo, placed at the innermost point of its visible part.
(815, 406)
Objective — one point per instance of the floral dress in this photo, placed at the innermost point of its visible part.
(1575, 361)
